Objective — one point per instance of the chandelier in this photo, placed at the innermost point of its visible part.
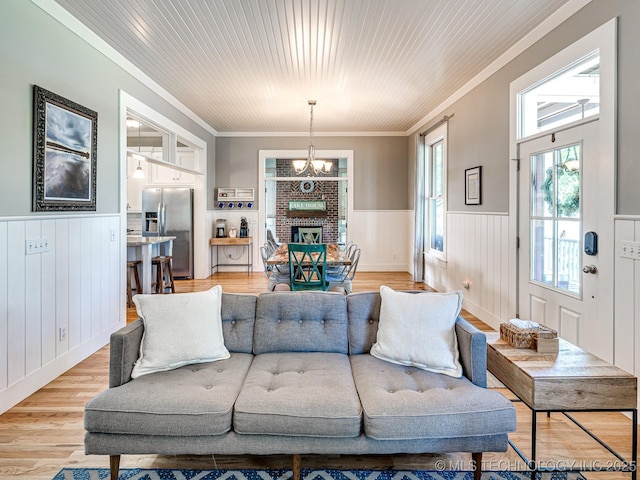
(311, 165)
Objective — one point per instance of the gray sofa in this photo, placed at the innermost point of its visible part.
(300, 380)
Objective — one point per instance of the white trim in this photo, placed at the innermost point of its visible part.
(460, 212)
(437, 135)
(315, 134)
(559, 16)
(82, 31)
(201, 235)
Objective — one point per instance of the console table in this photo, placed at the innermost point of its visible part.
(244, 242)
(573, 380)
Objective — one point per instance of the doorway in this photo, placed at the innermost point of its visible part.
(562, 123)
(309, 189)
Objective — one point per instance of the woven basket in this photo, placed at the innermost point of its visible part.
(525, 337)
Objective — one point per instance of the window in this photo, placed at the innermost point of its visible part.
(567, 96)
(555, 219)
(435, 182)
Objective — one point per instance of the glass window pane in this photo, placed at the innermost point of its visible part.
(569, 248)
(438, 169)
(437, 225)
(542, 247)
(542, 185)
(568, 96)
(145, 139)
(568, 182)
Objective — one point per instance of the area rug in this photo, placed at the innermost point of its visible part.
(306, 474)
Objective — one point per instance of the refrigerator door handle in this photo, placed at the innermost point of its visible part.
(162, 218)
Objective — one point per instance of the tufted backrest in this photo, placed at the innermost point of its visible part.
(363, 313)
(238, 317)
(301, 322)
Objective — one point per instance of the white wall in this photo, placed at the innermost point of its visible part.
(77, 285)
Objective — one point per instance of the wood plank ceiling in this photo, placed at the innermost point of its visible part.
(251, 65)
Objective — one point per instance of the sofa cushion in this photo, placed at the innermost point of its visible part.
(402, 403)
(179, 330)
(191, 400)
(307, 394)
(238, 313)
(301, 322)
(419, 330)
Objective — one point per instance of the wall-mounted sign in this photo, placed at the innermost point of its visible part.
(320, 205)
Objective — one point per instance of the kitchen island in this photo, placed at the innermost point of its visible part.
(145, 248)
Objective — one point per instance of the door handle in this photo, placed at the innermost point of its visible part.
(589, 269)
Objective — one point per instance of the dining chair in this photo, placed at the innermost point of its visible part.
(310, 234)
(345, 278)
(308, 266)
(272, 272)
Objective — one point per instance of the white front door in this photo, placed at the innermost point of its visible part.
(563, 282)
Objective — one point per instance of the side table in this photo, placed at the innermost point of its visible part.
(572, 380)
(244, 242)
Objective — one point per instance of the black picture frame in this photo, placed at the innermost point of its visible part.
(473, 186)
(65, 149)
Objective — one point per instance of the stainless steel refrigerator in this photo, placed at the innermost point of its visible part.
(169, 211)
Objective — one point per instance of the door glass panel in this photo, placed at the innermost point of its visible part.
(555, 219)
(542, 251)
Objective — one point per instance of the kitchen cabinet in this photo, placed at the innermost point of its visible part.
(163, 175)
(135, 185)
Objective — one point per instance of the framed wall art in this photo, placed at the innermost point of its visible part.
(473, 186)
(64, 153)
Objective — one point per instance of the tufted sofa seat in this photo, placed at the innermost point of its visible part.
(300, 380)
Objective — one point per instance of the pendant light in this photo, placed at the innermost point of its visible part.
(311, 165)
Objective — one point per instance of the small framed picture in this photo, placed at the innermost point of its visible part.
(64, 153)
(473, 186)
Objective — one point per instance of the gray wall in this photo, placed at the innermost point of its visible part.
(380, 165)
(479, 131)
(36, 49)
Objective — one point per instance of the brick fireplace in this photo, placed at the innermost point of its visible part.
(305, 189)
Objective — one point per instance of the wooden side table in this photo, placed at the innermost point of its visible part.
(572, 380)
(244, 242)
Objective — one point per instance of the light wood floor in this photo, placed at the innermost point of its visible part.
(45, 431)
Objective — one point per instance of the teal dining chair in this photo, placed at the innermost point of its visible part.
(308, 266)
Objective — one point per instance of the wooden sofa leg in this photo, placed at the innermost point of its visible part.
(114, 466)
(296, 463)
(476, 460)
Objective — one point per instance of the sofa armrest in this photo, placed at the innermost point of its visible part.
(124, 352)
(472, 344)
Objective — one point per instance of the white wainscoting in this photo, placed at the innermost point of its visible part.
(627, 298)
(385, 238)
(477, 253)
(78, 285)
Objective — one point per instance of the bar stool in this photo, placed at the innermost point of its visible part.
(164, 275)
(132, 268)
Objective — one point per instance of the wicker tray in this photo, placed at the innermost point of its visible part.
(526, 337)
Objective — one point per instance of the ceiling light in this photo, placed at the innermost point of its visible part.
(311, 165)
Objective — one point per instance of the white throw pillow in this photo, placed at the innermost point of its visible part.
(418, 329)
(179, 329)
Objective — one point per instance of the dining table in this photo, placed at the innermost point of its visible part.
(336, 256)
(144, 248)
